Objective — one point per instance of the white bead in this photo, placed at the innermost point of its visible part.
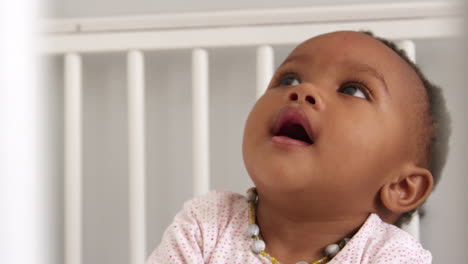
(302, 262)
(257, 246)
(254, 230)
(251, 195)
(332, 250)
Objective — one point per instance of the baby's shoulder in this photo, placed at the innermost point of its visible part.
(394, 237)
(380, 242)
(216, 206)
(393, 244)
(217, 199)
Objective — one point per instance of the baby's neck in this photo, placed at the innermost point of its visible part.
(292, 236)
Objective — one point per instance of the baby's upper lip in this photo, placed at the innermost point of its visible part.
(297, 115)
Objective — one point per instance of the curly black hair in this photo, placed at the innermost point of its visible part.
(436, 133)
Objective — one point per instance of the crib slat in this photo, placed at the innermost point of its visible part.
(410, 48)
(265, 68)
(200, 120)
(73, 159)
(137, 173)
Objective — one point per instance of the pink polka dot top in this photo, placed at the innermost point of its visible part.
(213, 229)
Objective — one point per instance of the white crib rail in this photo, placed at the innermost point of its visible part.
(200, 122)
(406, 20)
(228, 29)
(314, 14)
(73, 159)
(265, 68)
(136, 155)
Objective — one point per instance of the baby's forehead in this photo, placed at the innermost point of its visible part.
(344, 46)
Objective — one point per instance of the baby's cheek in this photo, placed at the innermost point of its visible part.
(353, 156)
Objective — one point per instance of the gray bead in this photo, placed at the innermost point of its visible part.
(302, 262)
(332, 250)
(257, 246)
(254, 230)
(346, 240)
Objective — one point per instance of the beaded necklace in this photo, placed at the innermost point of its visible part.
(258, 245)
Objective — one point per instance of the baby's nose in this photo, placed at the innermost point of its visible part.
(294, 96)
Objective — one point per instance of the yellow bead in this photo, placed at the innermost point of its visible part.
(263, 253)
(320, 261)
(273, 260)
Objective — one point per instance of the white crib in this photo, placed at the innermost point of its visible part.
(262, 30)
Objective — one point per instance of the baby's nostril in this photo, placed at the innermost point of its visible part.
(293, 96)
(310, 99)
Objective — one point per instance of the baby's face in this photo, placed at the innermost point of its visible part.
(334, 123)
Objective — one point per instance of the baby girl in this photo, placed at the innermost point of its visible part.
(347, 141)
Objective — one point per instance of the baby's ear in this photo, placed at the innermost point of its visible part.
(408, 191)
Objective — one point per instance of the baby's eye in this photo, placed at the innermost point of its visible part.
(354, 90)
(289, 81)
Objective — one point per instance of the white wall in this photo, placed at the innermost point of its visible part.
(444, 229)
(232, 76)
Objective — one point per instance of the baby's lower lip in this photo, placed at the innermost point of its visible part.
(282, 140)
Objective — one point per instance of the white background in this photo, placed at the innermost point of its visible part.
(232, 76)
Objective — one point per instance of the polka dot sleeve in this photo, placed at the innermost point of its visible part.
(182, 240)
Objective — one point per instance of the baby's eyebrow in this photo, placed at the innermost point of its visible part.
(355, 65)
(362, 67)
(291, 58)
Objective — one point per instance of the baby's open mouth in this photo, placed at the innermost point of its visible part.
(292, 128)
(295, 131)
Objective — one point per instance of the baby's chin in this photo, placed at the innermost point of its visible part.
(283, 180)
